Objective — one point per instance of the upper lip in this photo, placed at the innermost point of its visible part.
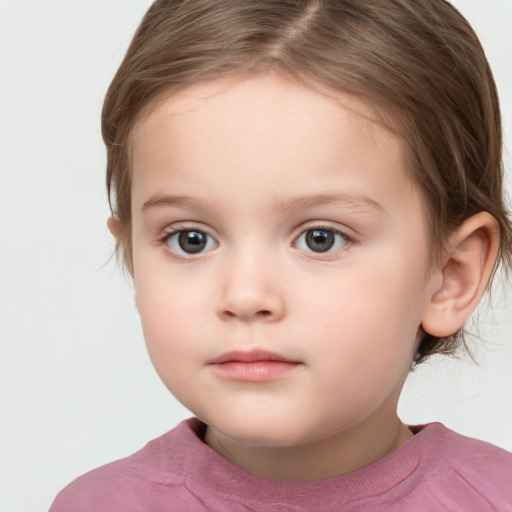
(249, 357)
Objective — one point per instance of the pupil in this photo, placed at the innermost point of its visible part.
(192, 241)
(320, 240)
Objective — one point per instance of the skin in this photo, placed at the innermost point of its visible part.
(254, 164)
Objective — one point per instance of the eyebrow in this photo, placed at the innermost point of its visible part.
(313, 200)
(282, 205)
(159, 201)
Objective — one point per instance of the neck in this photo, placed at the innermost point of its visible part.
(341, 453)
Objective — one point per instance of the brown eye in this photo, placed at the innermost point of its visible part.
(191, 241)
(321, 240)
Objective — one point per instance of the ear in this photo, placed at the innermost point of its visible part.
(461, 278)
(114, 226)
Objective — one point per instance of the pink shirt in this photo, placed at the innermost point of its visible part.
(437, 470)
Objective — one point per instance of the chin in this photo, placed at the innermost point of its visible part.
(270, 432)
(261, 439)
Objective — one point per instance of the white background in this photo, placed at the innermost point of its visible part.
(77, 389)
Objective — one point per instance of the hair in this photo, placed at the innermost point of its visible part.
(417, 60)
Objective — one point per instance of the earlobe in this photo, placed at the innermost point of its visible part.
(463, 275)
(114, 226)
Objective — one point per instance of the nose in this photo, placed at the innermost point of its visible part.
(251, 290)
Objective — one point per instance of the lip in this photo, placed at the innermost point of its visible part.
(253, 366)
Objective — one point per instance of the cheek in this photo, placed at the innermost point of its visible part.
(385, 296)
(363, 359)
(369, 322)
(167, 321)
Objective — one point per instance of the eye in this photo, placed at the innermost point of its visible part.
(321, 240)
(189, 241)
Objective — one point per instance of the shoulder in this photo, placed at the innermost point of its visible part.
(136, 483)
(473, 454)
(457, 464)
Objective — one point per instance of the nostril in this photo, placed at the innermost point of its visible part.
(247, 315)
(249, 307)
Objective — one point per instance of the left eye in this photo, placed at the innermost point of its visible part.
(321, 240)
(190, 241)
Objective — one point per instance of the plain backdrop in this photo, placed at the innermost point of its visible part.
(77, 389)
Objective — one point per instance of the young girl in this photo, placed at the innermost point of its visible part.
(308, 196)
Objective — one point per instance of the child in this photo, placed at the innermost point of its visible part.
(308, 195)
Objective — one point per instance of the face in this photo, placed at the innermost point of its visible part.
(280, 259)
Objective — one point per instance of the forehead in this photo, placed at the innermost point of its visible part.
(236, 99)
(263, 130)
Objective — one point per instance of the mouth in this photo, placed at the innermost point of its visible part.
(253, 366)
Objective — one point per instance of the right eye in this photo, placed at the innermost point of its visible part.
(188, 242)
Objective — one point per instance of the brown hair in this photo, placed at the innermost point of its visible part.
(417, 59)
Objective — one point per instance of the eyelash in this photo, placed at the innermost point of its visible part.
(175, 232)
(325, 254)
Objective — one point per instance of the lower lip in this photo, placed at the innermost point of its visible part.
(255, 371)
